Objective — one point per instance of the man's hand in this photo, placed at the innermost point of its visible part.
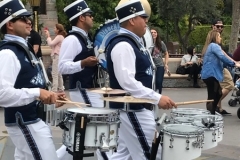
(60, 96)
(166, 103)
(89, 61)
(47, 97)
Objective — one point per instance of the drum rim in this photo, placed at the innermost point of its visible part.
(198, 132)
(109, 111)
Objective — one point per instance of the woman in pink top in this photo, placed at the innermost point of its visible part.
(55, 44)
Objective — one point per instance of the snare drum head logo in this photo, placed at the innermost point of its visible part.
(102, 37)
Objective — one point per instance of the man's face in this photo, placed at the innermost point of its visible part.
(19, 26)
(140, 25)
(218, 26)
(88, 20)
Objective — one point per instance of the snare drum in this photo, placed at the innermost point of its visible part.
(218, 120)
(181, 141)
(188, 112)
(210, 135)
(101, 130)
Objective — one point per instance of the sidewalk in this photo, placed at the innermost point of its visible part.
(228, 149)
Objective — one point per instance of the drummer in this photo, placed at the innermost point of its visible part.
(76, 56)
(130, 69)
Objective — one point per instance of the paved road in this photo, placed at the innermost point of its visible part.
(228, 149)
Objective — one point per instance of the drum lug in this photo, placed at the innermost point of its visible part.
(187, 141)
(214, 136)
(171, 140)
(196, 144)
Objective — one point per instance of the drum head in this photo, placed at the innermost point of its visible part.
(189, 111)
(183, 119)
(182, 129)
(91, 110)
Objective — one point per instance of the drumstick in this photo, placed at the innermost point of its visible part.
(192, 102)
(70, 102)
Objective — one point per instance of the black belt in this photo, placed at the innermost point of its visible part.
(148, 106)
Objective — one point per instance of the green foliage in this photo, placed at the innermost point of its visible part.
(24, 1)
(198, 36)
(103, 10)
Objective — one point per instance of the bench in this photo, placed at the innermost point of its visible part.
(177, 80)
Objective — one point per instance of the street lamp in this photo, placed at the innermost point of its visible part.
(35, 5)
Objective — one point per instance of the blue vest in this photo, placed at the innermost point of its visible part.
(84, 78)
(144, 69)
(28, 77)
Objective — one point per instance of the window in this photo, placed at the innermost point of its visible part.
(43, 8)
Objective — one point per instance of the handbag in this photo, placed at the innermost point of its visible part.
(182, 69)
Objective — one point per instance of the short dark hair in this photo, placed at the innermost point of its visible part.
(74, 21)
(4, 29)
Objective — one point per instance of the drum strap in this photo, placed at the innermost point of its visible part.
(79, 138)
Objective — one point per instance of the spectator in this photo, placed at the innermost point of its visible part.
(212, 69)
(227, 84)
(159, 51)
(34, 39)
(236, 54)
(55, 44)
(192, 64)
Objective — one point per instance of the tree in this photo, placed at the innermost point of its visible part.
(235, 25)
(185, 15)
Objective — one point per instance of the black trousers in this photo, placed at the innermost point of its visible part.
(194, 70)
(214, 92)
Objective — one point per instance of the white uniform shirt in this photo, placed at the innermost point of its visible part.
(124, 58)
(9, 70)
(70, 48)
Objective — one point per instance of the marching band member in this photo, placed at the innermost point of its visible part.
(130, 69)
(77, 58)
(22, 87)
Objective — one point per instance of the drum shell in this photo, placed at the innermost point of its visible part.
(179, 146)
(210, 135)
(98, 126)
(218, 122)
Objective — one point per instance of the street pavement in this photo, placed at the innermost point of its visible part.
(227, 149)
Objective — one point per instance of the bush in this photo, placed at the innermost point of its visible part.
(198, 36)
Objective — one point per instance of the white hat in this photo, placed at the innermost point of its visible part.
(76, 9)
(129, 10)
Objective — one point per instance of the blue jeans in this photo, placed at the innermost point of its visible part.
(159, 78)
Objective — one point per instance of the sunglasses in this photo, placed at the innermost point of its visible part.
(219, 26)
(88, 15)
(22, 18)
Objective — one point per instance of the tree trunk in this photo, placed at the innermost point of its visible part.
(235, 25)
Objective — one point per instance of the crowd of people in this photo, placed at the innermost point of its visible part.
(23, 85)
